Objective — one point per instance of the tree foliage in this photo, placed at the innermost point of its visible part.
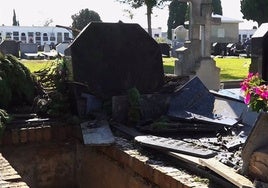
(255, 10)
(15, 22)
(150, 4)
(84, 17)
(216, 7)
(177, 15)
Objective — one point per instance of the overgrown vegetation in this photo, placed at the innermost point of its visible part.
(54, 101)
(17, 87)
(4, 118)
(44, 91)
(134, 102)
(17, 84)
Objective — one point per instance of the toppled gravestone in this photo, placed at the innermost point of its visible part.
(194, 102)
(113, 57)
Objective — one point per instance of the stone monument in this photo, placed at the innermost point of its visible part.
(111, 58)
(259, 52)
(194, 58)
(181, 35)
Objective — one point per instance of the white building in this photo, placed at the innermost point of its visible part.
(35, 34)
(245, 33)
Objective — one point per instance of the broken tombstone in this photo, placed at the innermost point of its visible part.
(112, 57)
(194, 102)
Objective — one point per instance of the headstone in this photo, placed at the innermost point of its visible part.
(181, 33)
(29, 48)
(46, 48)
(61, 47)
(10, 47)
(114, 57)
(181, 36)
(259, 52)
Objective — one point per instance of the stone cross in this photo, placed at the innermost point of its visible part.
(195, 57)
(200, 25)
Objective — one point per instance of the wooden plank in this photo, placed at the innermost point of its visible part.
(218, 167)
(186, 158)
(227, 172)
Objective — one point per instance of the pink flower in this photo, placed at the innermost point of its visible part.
(262, 91)
(255, 92)
(247, 98)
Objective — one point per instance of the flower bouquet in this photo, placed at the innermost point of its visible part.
(255, 92)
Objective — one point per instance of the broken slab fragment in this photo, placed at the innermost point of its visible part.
(194, 102)
(97, 133)
(175, 145)
(114, 57)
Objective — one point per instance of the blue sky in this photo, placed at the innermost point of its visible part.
(32, 12)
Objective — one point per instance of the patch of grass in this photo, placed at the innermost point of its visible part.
(232, 68)
(35, 65)
(169, 64)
